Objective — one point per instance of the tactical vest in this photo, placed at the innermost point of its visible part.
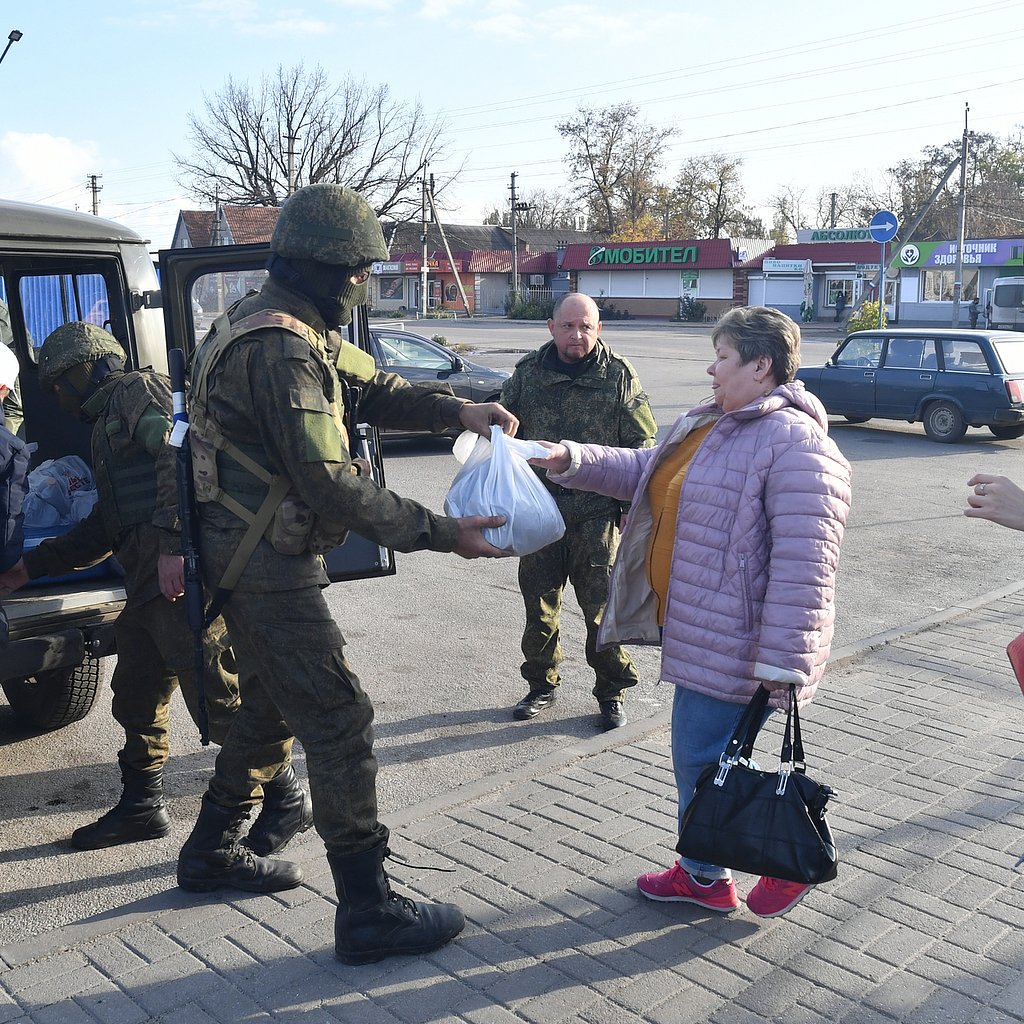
(126, 482)
(239, 475)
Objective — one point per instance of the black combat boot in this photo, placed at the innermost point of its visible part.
(212, 858)
(372, 922)
(140, 813)
(287, 810)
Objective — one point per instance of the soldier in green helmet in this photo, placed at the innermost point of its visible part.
(267, 394)
(136, 519)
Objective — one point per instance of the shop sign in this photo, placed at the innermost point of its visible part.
(986, 252)
(603, 255)
(784, 266)
(833, 235)
(414, 266)
(387, 268)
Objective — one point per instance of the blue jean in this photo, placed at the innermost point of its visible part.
(701, 728)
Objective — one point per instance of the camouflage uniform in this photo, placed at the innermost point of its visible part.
(277, 395)
(154, 641)
(603, 404)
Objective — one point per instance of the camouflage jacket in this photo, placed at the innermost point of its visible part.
(605, 404)
(137, 419)
(272, 390)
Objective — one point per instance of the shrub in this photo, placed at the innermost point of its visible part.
(440, 339)
(609, 312)
(517, 309)
(864, 319)
(692, 310)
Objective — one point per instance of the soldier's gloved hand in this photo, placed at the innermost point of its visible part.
(14, 578)
(470, 542)
(170, 570)
(478, 417)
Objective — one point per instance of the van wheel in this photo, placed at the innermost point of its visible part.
(944, 423)
(50, 700)
(1006, 433)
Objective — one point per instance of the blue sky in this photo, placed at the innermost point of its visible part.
(807, 94)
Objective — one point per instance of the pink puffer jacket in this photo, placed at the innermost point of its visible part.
(761, 517)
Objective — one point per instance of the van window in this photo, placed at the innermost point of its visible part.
(49, 300)
(1008, 294)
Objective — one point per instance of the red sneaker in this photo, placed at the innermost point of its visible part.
(772, 897)
(678, 886)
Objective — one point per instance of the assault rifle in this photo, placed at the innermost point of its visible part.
(194, 596)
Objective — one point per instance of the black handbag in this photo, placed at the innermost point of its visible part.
(764, 823)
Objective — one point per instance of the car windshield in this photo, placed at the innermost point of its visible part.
(1011, 355)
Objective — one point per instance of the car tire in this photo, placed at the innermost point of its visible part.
(50, 700)
(943, 422)
(1006, 433)
(857, 419)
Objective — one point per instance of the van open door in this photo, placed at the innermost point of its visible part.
(196, 286)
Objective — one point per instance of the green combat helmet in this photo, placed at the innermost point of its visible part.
(72, 344)
(329, 224)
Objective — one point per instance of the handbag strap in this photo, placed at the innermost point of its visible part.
(792, 742)
(741, 746)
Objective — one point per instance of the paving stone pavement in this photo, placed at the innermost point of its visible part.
(919, 731)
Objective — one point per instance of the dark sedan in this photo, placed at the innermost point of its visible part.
(422, 361)
(946, 379)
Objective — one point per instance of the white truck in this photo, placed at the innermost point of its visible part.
(57, 266)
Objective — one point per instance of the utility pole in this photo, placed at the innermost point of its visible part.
(92, 183)
(447, 248)
(423, 241)
(958, 280)
(832, 213)
(517, 207)
(292, 139)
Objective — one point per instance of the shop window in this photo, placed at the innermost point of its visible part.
(937, 285)
(837, 286)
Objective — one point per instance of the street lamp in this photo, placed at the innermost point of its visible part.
(14, 36)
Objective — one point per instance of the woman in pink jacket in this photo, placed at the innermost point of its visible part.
(728, 561)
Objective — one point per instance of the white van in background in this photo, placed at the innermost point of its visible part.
(1007, 304)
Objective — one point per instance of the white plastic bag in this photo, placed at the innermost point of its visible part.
(60, 492)
(496, 480)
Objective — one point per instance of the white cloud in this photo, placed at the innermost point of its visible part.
(436, 10)
(35, 167)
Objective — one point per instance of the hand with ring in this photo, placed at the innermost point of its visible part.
(997, 499)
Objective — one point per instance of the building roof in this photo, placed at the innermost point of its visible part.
(250, 223)
(711, 254)
(198, 225)
(843, 253)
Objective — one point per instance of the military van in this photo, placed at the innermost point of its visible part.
(57, 266)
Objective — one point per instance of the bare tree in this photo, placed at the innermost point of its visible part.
(297, 128)
(615, 159)
(708, 199)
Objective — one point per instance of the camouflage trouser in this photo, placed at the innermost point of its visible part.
(583, 557)
(155, 655)
(294, 678)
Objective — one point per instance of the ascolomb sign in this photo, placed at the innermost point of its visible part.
(605, 255)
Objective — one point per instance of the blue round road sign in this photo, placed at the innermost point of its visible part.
(883, 226)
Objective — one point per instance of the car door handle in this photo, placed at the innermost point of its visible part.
(869, 373)
(927, 376)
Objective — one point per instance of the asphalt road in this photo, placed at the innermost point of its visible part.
(437, 645)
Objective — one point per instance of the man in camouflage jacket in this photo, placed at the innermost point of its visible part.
(576, 387)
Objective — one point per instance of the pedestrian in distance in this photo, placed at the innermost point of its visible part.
(576, 386)
(14, 462)
(973, 311)
(135, 518)
(728, 561)
(267, 418)
(840, 307)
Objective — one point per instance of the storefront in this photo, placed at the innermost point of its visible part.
(651, 278)
(396, 285)
(926, 272)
